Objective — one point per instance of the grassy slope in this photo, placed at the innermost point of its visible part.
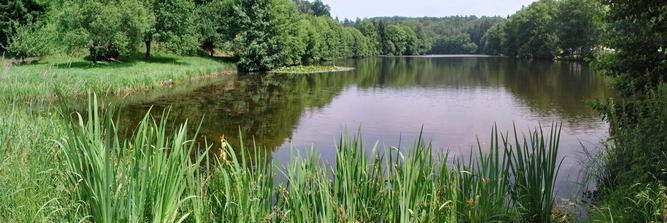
(32, 183)
(72, 76)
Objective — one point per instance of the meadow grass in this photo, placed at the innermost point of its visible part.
(31, 186)
(74, 76)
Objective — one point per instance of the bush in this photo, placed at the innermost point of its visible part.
(32, 40)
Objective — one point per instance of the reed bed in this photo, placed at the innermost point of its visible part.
(162, 175)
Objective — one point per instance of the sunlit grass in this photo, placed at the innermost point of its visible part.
(71, 76)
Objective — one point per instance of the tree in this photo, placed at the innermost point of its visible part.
(107, 28)
(209, 25)
(578, 26)
(316, 8)
(18, 13)
(31, 40)
(175, 26)
(320, 9)
(493, 39)
(458, 44)
(531, 33)
(637, 33)
(262, 33)
(360, 45)
(370, 31)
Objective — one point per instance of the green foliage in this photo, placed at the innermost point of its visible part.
(30, 184)
(18, 13)
(441, 32)
(546, 29)
(311, 69)
(579, 25)
(262, 33)
(32, 40)
(359, 45)
(531, 33)
(458, 44)
(493, 39)
(392, 185)
(107, 28)
(316, 8)
(637, 153)
(209, 26)
(400, 40)
(142, 178)
(175, 26)
(636, 34)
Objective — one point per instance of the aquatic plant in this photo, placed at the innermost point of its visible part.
(143, 178)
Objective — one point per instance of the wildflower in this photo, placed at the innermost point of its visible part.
(223, 145)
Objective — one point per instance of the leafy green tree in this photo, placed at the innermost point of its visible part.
(209, 25)
(637, 33)
(458, 44)
(175, 26)
(531, 32)
(31, 40)
(332, 45)
(320, 9)
(370, 30)
(579, 23)
(312, 39)
(360, 45)
(18, 13)
(316, 8)
(107, 28)
(262, 33)
(493, 39)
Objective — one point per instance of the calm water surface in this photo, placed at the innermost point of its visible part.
(454, 99)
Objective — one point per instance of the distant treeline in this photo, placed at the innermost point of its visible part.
(265, 34)
(549, 28)
(445, 35)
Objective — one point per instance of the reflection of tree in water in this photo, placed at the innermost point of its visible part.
(264, 107)
(268, 106)
(545, 87)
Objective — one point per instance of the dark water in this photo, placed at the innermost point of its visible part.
(454, 99)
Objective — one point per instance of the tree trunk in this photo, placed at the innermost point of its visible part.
(148, 47)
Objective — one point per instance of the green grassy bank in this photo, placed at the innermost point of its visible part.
(32, 176)
(74, 76)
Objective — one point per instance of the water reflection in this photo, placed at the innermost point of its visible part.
(454, 99)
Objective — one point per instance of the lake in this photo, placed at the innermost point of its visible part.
(451, 100)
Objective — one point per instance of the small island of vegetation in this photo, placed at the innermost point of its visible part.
(312, 69)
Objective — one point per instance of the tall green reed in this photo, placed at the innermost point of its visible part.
(152, 176)
(144, 178)
(534, 167)
(409, 184)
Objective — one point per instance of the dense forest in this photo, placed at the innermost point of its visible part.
(266, 34)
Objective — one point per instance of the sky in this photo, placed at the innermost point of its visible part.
(352, 9)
